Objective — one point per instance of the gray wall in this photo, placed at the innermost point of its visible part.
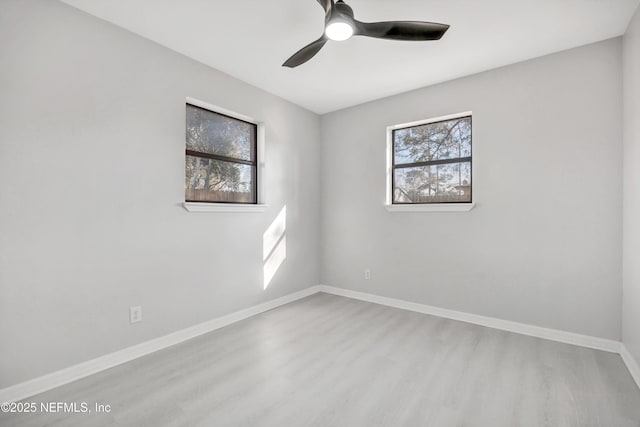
(91, 180)
(543, 244)
(631, 210)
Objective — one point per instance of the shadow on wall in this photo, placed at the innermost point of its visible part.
(274, 246)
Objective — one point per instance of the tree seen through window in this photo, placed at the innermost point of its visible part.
(220, 158)
(432, 162)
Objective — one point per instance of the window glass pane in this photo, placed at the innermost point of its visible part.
(213, 133)
(434, 141)
(217, 181)
(433, 184)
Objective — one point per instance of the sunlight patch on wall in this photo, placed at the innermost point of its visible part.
(274, 246)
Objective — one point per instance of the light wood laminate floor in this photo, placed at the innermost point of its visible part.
(333, 361)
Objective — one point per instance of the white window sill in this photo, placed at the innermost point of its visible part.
(222, 207)
(433, 207)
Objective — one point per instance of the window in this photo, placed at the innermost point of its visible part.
(221, 158)
(431, 161)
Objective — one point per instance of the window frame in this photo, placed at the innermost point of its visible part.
(257, 205)
(454, 206)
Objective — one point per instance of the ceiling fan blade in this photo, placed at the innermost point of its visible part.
(327, 5)
(306, 53)
(401, 30)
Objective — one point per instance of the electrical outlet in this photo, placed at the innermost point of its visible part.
(367, 274)
(135, 314)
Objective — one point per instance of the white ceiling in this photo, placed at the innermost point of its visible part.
(250, 39)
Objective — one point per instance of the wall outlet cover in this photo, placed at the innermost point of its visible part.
(135, 314)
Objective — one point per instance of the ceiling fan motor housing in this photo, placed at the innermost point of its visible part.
(341, 10)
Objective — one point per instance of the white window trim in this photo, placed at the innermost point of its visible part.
(426, 207)
(431, 207)
(200, 207)
(235, 207)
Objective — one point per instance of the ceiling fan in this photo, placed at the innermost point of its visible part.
(341, 25)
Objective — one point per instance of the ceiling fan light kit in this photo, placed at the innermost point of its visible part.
(339, 31)
(340, 25)
(339, 21)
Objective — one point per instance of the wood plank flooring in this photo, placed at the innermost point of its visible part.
(333, 361)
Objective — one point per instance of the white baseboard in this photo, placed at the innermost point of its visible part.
(76, 372)
(632, 364)
(491, 322)
(587, 341)
(73, 373)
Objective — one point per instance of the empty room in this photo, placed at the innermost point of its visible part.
(320, 213)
